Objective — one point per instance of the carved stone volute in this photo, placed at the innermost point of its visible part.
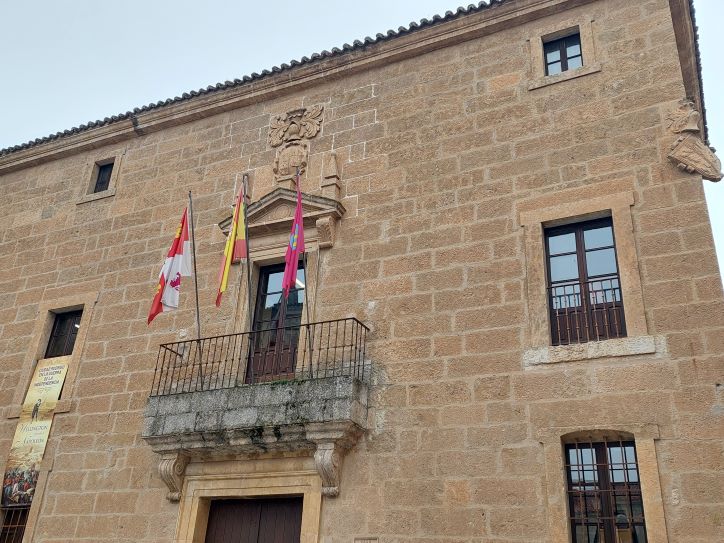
(328, 461)
(172, 468)
(689, 152)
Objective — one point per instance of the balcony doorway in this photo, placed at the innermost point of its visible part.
(276, 326)
(277, 520)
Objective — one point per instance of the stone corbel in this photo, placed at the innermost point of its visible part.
(332, 441)
(689, 152)
(172, 468)
(328, 460)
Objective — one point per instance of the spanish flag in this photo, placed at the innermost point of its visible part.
(236, 245)
(177, 265)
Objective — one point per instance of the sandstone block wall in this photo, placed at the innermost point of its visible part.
(438, 153)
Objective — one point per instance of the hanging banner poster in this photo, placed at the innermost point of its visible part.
(31, 434)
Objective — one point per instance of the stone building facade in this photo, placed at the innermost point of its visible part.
(451, 172)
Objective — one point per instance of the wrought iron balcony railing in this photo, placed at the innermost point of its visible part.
(310, 351)
(586, 311)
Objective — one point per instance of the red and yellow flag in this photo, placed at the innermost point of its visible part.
(236, 244)
(177, 265)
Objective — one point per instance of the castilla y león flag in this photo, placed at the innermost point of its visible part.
(178, 264)
(236, 246)
(295, 247)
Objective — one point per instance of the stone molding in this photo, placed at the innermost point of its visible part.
(591, 65)
(610, 348)
(320, 417)
(645, 436)
(270, 219)
(252, 478)
(304, 76)
(574, 205)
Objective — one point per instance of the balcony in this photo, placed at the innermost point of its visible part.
(586, 311)
(283, 389)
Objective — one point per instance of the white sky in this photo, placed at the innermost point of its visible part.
(67, 62)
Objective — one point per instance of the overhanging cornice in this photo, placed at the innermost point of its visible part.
(494, 18)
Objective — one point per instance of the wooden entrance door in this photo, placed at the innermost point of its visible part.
(275, 520)
(276, 327)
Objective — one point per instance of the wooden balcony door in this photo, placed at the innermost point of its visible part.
(276, 326)
(276, 520)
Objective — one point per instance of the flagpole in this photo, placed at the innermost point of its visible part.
(306, 289)
(306, 305)
(250, 314)
(196, 282)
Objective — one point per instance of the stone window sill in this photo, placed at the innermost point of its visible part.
(629, 346)
(97, 196)
(565, 76)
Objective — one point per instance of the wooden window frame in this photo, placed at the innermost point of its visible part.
(565, 206)
(612, 316)
(561, 45)
(601, 493)
(99, 172)
(67, 350)
(540, 35)
(553, 439)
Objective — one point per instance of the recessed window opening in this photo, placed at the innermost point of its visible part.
(584, 286)
(604, 492)
(103, 177)
(63, 334)
(563, 54)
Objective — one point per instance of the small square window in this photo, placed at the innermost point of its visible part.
(563, 54)
(103, 177)
(62, 337)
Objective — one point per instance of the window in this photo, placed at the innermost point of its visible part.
(604, 492)
(276, 326)
(563, 54)
(15, 518)
(103, 177)
(584, 288)
(62, 337)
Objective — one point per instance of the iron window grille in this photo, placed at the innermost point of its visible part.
(584, 286)
(15, 519)
(605, 504)
(563, 54)
(63, 334)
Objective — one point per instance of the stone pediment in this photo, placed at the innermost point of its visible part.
(273, 214)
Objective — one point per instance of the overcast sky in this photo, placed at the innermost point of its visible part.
(67, 62)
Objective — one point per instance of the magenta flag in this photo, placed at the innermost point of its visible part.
(295, 247)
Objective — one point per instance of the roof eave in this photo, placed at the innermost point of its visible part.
(470, 23)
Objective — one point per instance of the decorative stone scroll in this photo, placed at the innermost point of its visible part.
(689, 152)
(289, 132)
(172, 468)
(332, 441)
(328, 461)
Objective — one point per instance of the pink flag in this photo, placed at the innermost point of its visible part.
(295, 247)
